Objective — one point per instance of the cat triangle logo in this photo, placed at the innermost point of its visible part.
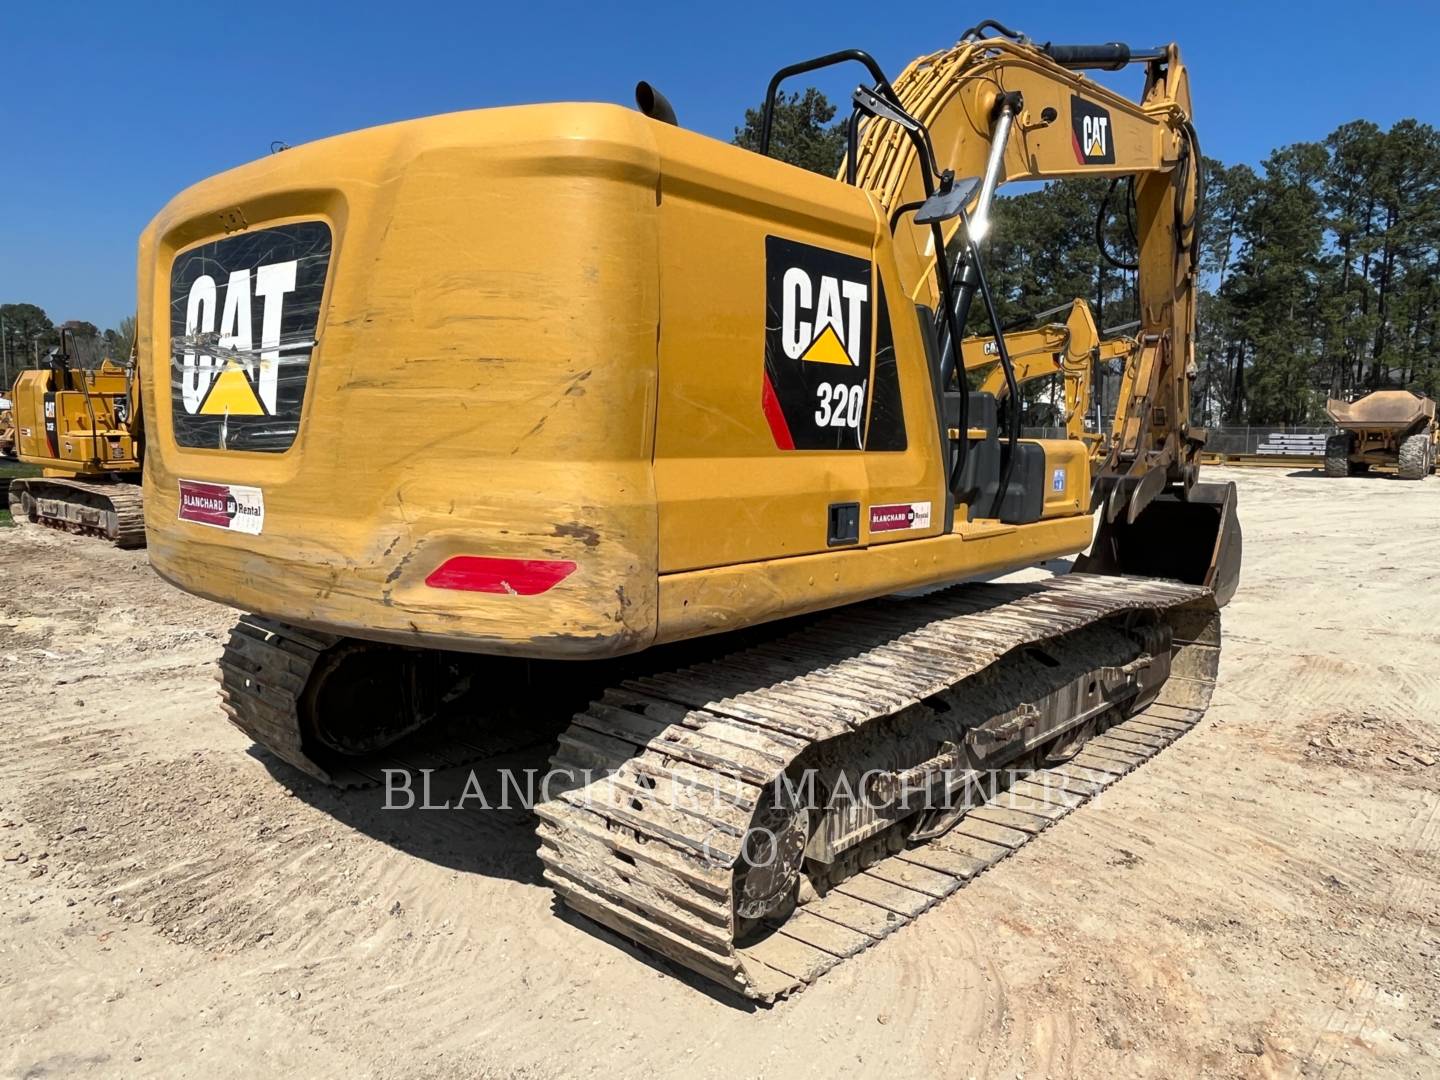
(231, 394)
(824, 318)
(827, 348)
(819, 339)
(1094, 138)
(1095, 135)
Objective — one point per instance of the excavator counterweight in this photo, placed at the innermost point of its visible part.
(669, 427)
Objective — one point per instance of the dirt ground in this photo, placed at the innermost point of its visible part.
(1260, 900)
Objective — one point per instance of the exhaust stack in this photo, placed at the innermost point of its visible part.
(654, 104)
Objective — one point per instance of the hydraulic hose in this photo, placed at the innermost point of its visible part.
(1100, 227)
(1013, 432)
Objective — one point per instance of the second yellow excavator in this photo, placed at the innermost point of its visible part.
(668, 426)
(85, 432)
(7, 428)
(1071, 350)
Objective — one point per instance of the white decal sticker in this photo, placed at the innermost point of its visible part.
(223, 506)
(840, 405)
(899, 516)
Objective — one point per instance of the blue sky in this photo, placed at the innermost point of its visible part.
(108, 109)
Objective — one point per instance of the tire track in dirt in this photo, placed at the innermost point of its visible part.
(1353, 1019)
(228, 866)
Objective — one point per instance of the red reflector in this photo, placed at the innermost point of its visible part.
(518, 577)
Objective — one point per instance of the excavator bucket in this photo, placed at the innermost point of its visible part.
(1195, 539)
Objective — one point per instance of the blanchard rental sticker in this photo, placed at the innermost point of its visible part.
(900, 516)
(223, 506)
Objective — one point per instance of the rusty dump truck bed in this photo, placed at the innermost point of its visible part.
(1389, 410)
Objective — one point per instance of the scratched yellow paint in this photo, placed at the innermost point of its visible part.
(542, 337)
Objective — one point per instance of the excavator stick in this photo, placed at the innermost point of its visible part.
(1193, 538)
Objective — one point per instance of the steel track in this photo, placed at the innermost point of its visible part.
(620, 848)
(112, 510)
(626, 842)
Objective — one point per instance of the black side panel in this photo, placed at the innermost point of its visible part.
(887, 413)
(981, 472)
(817, 345)
(1025, 496)
(52, 429)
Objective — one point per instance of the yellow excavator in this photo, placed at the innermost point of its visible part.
(1072, 350)
(668, 428)
(84, 429)
(7, 429)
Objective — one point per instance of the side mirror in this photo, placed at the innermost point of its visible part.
(948, 202)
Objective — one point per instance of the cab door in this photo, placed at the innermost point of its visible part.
(794, 414)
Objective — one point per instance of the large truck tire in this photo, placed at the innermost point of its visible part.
(1337, 454)
(1415, 457)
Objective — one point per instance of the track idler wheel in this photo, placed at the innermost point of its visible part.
(767, 873)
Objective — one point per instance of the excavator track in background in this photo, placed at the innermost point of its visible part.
(664, 778)
(109, 509)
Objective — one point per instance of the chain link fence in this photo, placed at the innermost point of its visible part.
(1239, 439)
